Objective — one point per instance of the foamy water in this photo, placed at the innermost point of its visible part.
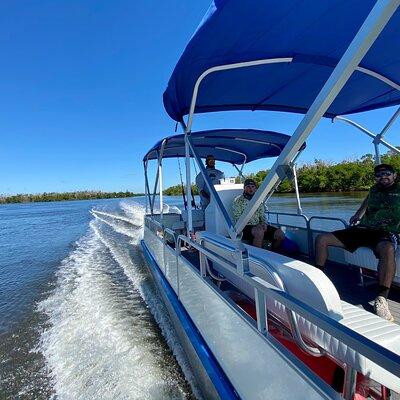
(103, 339)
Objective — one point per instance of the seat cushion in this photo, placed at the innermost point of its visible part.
(382, 332)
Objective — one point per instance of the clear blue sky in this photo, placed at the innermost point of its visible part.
(81, 95)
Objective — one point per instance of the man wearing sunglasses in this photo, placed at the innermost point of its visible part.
(376, 225)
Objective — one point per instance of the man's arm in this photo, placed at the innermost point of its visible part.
(360, 212)
(261, 214)
(237, 209)
(200, 183)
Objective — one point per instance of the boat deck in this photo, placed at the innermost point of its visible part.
(348, 283)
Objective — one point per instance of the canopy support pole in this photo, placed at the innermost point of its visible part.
(225, 68)
(379, 136)
(240, 171)
(296, 188)
(213, 192)
(156, 183)
(188, 181)
(146, 188)
(160, 174)
(377, 139)
(365, 37)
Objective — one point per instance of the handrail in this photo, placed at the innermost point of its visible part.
(314, 217)
(303, 216)
(171, 233)
(314, 351)
(357, 342)
(308, 222)
(289, 214)
(366, 347)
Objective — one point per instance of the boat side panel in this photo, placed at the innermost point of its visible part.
(254, 366)
(211, 379)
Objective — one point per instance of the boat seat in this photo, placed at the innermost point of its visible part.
(314, 288)
(364, 257)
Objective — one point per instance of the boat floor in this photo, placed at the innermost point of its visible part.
(348, 282)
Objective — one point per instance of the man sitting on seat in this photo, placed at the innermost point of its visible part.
(378, 229)
(257, 229)
(215, 176)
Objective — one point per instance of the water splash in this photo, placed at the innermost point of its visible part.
(101, 340)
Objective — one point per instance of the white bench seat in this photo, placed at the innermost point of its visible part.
(313, 287)
(364, 257)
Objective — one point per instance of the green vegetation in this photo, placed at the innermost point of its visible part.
(177, 190)
(82, 195)
(322, 176)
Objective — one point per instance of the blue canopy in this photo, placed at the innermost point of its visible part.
(315, 34)
(231, 145)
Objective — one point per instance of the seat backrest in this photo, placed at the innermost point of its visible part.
(214, 221)
(301, 280)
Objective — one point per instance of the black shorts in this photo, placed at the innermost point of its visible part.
(268, 234)
(358, 236)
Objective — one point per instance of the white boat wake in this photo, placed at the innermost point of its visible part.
(114, 216)
(101, 341)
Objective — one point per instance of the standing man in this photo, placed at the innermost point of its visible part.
(257, 229)
(215, 176)
(378, 228)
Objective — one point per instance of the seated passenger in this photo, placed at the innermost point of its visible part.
(257, 229)
(215, 176)
(378, 229)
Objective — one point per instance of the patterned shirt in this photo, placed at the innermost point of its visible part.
(383, 210)
(239, 205)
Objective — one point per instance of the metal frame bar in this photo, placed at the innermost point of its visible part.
(377, 138)
(296, 188)
(146, 187)
(188, 187)
(155, 185)
(365, 37)
(225, 68)
(239, 170)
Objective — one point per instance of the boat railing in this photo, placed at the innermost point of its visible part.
(263, 290)
(308, 222)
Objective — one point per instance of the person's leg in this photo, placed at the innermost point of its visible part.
(386, 273)
(279, 237)
(387, 264)
(322, 242)
(258, 235)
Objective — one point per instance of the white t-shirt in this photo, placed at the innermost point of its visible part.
(215, 176)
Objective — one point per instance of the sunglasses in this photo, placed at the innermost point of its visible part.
(383, 173)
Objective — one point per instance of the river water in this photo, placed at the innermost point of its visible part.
(79, 315)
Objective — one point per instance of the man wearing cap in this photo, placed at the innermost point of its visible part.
(215, 176)
(257, 229)
(376, 225)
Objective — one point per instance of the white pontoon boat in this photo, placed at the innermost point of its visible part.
(256, 324)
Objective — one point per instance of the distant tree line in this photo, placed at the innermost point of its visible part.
(322, 176)
(53, 196)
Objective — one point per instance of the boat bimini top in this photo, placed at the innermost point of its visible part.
(235, 146)
(319, 58)
(277, 55)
